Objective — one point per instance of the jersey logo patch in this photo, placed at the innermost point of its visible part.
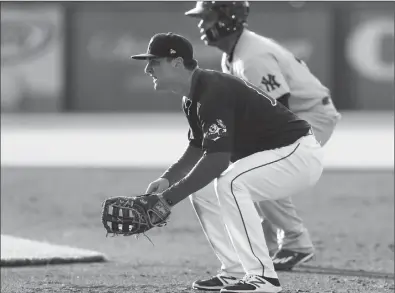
(270, 83)
(216, 130)
(187, 106)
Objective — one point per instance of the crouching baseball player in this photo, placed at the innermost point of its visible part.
(270, 67)
(250, 146)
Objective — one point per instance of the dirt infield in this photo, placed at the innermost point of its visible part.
(350, 216)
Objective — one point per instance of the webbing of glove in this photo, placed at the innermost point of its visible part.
(134, 215)
(121, 216)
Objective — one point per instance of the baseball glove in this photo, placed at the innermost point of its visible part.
(134, 215)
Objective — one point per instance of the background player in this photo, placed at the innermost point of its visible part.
(271, 67)
(245, 162)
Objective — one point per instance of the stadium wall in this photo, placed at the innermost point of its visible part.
(348, 45)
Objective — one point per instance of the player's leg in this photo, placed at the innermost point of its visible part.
(281, 216)
(268, 175)
(283, 213)
(243, 223)
(294, 245)
(206, 206)
(272, 239)
(290, 234)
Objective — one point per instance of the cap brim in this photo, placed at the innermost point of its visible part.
(195, 12)
(144, 56)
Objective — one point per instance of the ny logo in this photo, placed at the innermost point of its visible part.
(270, 82)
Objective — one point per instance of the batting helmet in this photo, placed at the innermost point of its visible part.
(230, 17)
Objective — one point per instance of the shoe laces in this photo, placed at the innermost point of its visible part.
(247, 278)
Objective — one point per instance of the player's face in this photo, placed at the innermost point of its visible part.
(208, 20)
(162, 73)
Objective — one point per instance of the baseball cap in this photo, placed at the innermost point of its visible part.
(165, 45)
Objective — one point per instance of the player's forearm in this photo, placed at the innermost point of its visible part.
(206, 170)
(182, 167)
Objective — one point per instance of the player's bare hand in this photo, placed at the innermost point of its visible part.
(159, 185)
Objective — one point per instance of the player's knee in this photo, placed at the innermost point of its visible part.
(197, 197)
(204, 196)
(227, 184)
(221, 185)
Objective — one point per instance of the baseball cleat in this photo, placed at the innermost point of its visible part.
(254, 284)
(215, 283)
(285, 260)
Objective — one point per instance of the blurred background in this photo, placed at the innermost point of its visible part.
(74, 57)
(71, 95)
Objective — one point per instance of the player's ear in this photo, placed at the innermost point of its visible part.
(178, 62)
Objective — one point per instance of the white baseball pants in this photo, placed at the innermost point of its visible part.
(227, 213)
(283, 227)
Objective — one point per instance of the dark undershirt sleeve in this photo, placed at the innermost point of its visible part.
(184, 165)
(209, 167)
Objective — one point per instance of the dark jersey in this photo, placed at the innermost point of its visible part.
(228, 114)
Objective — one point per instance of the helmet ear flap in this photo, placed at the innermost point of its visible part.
(230, 18)
(234, 16)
